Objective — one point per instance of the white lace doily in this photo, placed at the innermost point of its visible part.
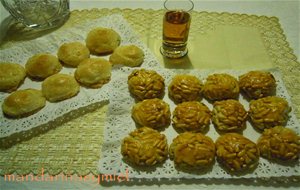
(119, 124)
(50, 44)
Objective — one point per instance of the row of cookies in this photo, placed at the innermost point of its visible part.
(195, 151)
(42, 65)
(145, 84)
(90, 72)
(228, 113)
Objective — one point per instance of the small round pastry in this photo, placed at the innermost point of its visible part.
(11, 76)
(220, 87)
(73, 53)
(129, 55)
(154, 113)
(59, 87)
(257, 84)
(102, 40)
(269, 112)
(146, 84)
(191, 116)
(93, 72)
(42, 65)
(184, 88)
(229, 115)
(279, 143)
(145, 147)
(192, 150)
(236, 153)
(22, 103)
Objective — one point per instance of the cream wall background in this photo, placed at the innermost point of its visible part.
(288, 11)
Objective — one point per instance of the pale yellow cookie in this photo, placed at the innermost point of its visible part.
(11, 76)
(93, 72)
(102, 40)
(129, 55)
(23, 103)
(42, 65)
(59, 87)
(73, 53)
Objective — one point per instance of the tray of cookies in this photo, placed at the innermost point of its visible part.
(172, 123)
(48, 79)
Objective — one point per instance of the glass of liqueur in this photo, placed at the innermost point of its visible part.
(176, 25)
(38, 14)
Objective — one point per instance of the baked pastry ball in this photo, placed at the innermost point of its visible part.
(236, 153)
(279, 143)
(102, 40)
(220, 87)
(59, 87)
(192, 150)
(145, 147)
(229, 115)
(11, 76)
(154, 113)
(23, 103)
(191, 116)
(269, 112)
(93, 72)
(146, 84)
(129, 55)
(73, 53)
(185, 88)
(257, 84)
(42, 65)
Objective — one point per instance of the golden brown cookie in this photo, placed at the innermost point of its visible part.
(59, 87)
(229, 115)
(192, 150)
(146, 84)
(128, 55)
(73, 53)
(22, 103)
(279, 143)
(93, 72)
(11, 76)
(191, 116)
(237, 153)
(102, 40)
(269, 112)
(257, 84)
(185, 88)
(42, 65)
(154, 113)
(220, 87)
(145, 147)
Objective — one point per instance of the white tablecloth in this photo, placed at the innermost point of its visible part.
(288, 13)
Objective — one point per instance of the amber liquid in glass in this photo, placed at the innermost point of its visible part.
(176, 26)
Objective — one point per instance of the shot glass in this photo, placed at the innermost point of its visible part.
(176, 25)
(42, 14)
